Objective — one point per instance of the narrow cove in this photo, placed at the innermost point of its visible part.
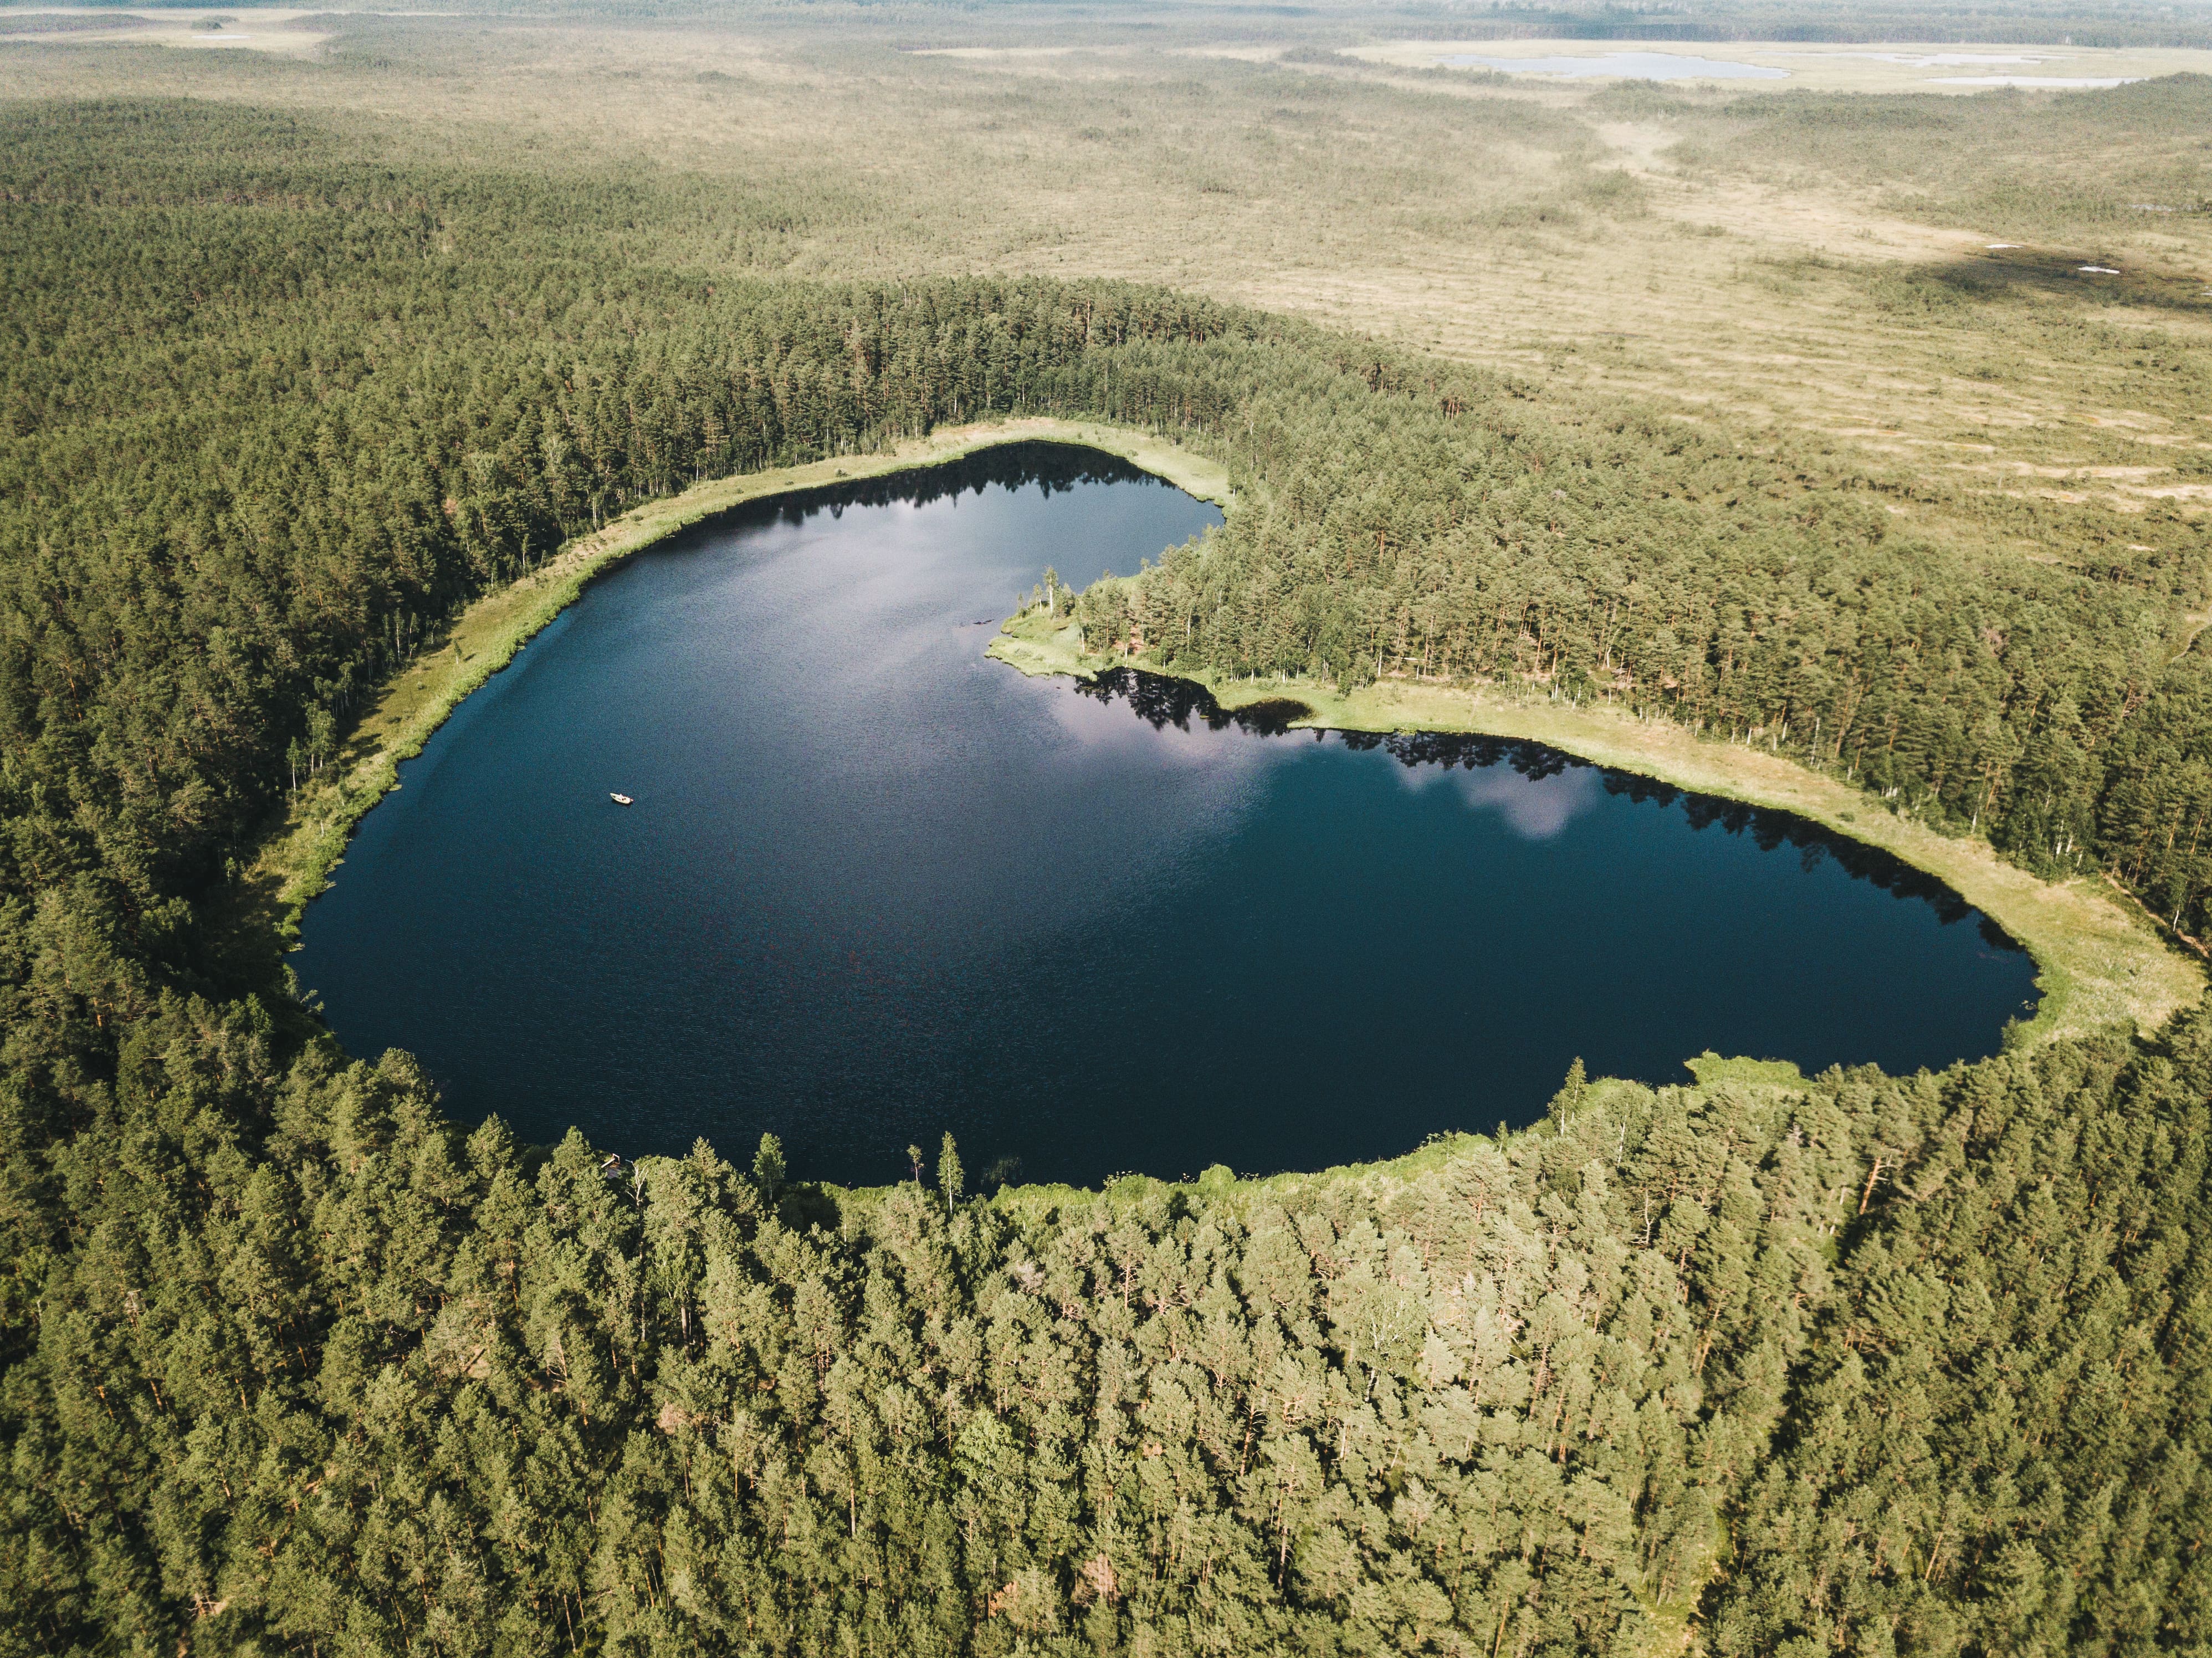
(875, 886)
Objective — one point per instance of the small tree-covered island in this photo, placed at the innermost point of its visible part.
(1798, 409)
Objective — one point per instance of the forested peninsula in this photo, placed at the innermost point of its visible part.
(289, 1360)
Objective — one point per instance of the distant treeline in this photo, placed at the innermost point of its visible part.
(286, 1362)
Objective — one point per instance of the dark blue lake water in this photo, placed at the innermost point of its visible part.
(876, 887)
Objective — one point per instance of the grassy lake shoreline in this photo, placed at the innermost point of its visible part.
(2099, 962)
(298, 853)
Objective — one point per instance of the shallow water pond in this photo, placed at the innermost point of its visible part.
(875, 886)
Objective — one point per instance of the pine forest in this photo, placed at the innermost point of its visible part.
(293, 1360)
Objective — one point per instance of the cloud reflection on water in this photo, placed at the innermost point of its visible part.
(1536, 792)
(1535, 805)
(1099, 720)
(1533, 808)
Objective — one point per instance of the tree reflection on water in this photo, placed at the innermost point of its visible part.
(1162, 701)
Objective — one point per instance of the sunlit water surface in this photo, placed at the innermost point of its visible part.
(876, 887)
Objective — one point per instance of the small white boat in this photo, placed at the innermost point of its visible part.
(620, 800)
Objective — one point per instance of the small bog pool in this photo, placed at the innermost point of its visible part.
(875, 886)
